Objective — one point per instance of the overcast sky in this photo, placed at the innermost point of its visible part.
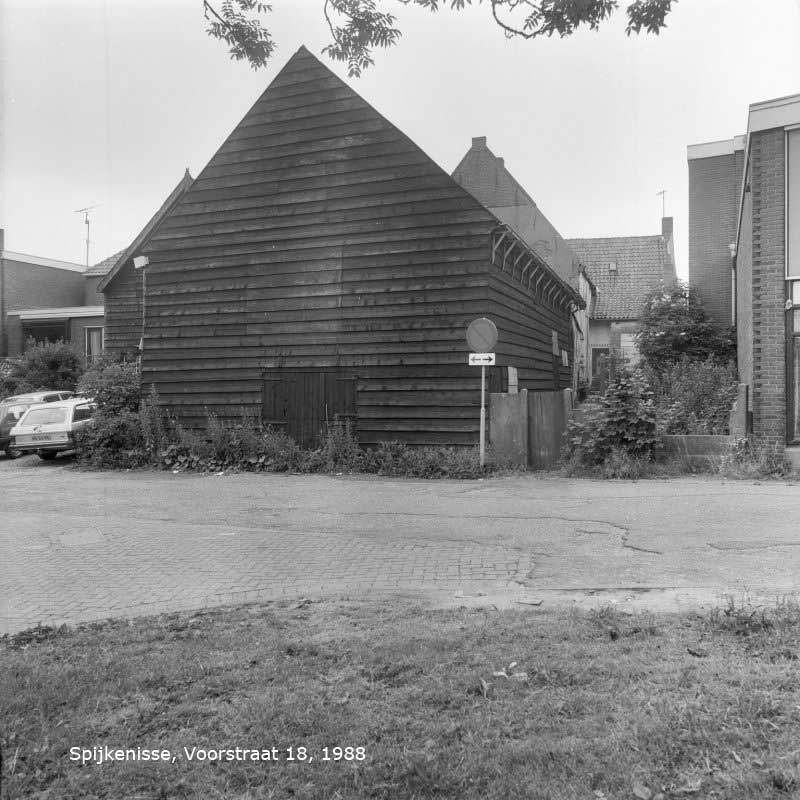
(107, 102)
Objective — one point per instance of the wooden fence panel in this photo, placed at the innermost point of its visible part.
(547, 423)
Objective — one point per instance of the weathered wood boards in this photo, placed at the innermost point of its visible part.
(320, 239)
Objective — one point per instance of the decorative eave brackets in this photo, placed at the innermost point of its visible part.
(516, 258)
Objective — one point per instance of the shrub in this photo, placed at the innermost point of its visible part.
(52, 365)
(245, 446)
(621, 421)
(113, 440)
(693, 397)
(114, 384)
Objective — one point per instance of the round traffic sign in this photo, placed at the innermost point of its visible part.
(482, 335)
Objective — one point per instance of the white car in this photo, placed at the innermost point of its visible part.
(50, 429)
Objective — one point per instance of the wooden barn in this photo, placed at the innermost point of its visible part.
(322, 264)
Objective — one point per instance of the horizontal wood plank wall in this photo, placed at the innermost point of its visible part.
(123, 311)
(525, 338)
(320, 236)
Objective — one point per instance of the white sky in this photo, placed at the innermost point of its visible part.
(108, 101)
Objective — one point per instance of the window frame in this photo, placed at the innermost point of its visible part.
(86, 331)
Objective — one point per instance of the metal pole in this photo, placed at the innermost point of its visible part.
(483, 414)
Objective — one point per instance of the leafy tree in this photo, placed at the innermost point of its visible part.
(674, 325)
(357, 26)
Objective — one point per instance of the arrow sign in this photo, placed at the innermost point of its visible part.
(481, 359)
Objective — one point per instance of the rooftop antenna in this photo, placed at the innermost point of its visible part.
(85, 212)
(663, 192)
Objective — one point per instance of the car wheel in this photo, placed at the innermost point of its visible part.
(12, 452)
(46, 455)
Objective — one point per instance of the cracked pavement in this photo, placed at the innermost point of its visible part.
(77, 546)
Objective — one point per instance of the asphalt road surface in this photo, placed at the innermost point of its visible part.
(78, 546)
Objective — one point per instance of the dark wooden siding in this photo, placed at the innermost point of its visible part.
(525, 334)
(123, 309)
(320, 237)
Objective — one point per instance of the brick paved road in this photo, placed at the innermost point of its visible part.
(77, 546)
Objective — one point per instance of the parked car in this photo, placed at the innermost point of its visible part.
(50, 429)
(12, 409)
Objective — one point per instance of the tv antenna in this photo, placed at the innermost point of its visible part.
(663, 193)
(85, 212)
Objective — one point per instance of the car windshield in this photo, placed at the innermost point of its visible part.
(46, 416)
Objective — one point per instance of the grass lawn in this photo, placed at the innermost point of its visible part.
(406, 703)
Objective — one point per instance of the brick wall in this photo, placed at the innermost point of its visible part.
(714, 189)
(28, 285)
(767, 186)
(744, 296)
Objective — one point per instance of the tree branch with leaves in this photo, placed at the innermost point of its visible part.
(357, 27)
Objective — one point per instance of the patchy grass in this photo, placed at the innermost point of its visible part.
(446, 704)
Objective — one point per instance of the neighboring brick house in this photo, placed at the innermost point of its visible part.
(623, 270)
(486, 177)
(715, 184)
(753, 211)
(44, 299)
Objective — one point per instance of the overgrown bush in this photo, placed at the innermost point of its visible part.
(113, 440)
(52, 365)
(693, 397)
(114, 384)
(621, 421)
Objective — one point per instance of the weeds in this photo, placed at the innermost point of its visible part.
(753, 459)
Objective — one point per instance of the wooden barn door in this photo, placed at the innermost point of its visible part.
(301, 402)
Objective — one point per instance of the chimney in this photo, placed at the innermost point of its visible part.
(478, 142)
(2, 240)
(666, 228)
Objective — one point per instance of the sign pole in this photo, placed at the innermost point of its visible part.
(483, 415)
(482, 337)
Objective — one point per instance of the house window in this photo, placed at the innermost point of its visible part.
(46, 331)
(94, 343)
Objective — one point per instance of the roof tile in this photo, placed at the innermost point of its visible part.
(642, 264)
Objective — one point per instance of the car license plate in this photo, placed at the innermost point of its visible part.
(39, 438)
